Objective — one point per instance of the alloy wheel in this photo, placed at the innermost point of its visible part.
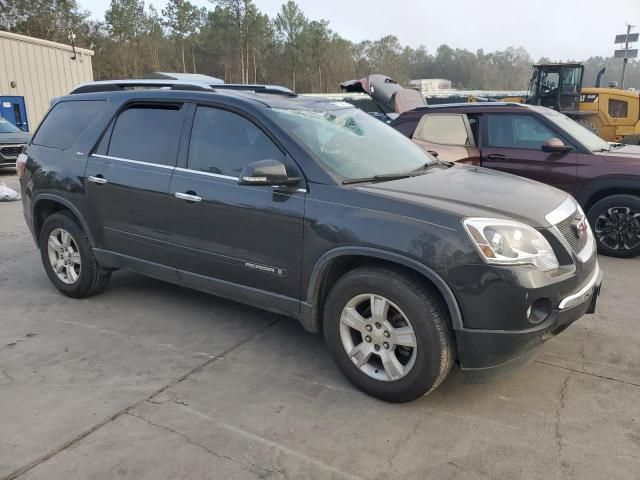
(618, 228)
(378, 337)
(64, 256)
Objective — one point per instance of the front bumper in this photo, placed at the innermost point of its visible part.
(485, 354)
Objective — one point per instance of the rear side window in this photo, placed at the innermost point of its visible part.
(66, 122)
(443, 129)
(223, 142)
(147, 134)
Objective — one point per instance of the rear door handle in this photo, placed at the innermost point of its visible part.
(100, 180)
(497, 156)
(188, 197)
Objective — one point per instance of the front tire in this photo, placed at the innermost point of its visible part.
(388, 334)
(68, 258)
(615, 221)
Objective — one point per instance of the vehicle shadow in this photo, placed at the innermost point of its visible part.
(197, 318)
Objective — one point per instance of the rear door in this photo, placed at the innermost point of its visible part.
(244, 236)
(450, 135)
(513, 143)
(128, 177)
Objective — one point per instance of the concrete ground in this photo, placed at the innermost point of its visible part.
(153, 381)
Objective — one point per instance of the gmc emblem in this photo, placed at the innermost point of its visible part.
(579, 228)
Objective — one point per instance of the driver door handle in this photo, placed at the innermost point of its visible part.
(99, 179)
(497, 156)
(188, 197)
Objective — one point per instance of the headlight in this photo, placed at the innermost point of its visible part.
(505, 242)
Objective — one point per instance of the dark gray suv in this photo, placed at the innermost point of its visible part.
(315, 210)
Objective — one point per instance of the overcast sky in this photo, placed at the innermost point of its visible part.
(558, 29)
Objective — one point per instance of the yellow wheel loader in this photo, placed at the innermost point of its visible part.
(612, 113)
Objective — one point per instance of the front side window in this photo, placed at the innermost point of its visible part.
(443, 128)
(618, 109)
(517, 131)
(147, 133)
(66, 122)
(351, 143)
(223, 142)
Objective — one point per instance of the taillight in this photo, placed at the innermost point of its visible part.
(21, 162)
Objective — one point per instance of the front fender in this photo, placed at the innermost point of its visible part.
(311, 320)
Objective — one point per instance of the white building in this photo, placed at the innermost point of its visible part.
(39, 70)
(426, 85)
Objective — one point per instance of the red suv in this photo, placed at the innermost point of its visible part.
(544, 145)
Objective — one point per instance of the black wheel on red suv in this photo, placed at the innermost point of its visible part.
(615, 221)
(388, 334)
(68, 258)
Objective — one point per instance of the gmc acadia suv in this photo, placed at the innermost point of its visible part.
(315, 210)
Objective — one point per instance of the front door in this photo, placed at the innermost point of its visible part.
(513, 143)
(127, 181)
(244, 236)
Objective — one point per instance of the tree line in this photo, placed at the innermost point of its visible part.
(235, 41)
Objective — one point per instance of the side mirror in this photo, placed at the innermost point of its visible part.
(555, 145)
(266, 172)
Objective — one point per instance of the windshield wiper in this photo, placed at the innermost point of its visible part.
(377, 178)
(394, 176)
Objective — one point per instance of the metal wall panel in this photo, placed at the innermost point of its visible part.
(41, 71)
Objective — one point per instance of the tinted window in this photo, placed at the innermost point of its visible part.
(147, 134)
(223, 142)
(447, 129)
(66, 122)
(618, 109)
(517, 131)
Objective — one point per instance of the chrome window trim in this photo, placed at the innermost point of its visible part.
(208, 174)
(225, 177)
(137, 162)
(562, 212)
(581, 295)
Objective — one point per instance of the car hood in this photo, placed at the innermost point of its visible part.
(476, 192)
(17, 137)
(630, 153)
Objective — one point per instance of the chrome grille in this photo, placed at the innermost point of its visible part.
(10, 152)
(570, 234)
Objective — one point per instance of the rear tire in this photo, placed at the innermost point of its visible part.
(615, 221)
(381, 361)
(68, 258)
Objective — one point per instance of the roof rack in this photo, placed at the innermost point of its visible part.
(256, 88)
(119, 85)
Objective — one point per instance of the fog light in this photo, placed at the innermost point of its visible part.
(539, 310)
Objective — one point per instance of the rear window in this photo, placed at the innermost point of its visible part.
(147, 134)
(66, 122)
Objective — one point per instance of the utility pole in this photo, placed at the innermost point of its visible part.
(626, 53)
